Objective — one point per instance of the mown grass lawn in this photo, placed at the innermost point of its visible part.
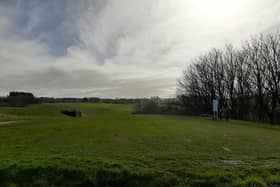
(112, 147)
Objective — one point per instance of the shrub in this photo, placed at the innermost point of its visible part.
(151, 106)
(273, 180)
(20, 99)
(250, 182)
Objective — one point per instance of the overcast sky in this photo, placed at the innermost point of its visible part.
(117, 48)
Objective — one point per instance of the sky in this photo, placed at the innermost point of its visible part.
(118, 48)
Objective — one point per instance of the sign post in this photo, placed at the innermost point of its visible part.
(215, 108)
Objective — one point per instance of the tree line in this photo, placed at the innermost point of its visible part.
(245, 80)
(21, 99)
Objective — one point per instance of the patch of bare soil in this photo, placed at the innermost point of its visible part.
(235, 162)
(7, 123)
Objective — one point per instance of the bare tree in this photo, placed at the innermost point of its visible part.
(247, 81)
(271, 59)
(256, 65)
(243, 85)
(230, 62)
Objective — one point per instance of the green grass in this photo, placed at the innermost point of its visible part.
(112, 147)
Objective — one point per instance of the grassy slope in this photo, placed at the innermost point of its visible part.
(155, 150)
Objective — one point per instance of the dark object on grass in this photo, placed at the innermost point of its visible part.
(72, 113)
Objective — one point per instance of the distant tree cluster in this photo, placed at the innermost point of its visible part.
(20, 99)
(156, 105)
(91, 100)
(2, 101)
(246, 80)
(16, 99)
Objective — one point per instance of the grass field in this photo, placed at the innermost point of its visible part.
(112, 147)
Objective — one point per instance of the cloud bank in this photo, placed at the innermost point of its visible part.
(109, 48)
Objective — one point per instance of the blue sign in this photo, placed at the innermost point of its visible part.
(215, 105)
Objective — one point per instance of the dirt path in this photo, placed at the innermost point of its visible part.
(6, 123)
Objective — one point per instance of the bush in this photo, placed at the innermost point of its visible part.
(155, 105)
(251, 182)
(151, 106)
(20, 99)
(274, 180)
